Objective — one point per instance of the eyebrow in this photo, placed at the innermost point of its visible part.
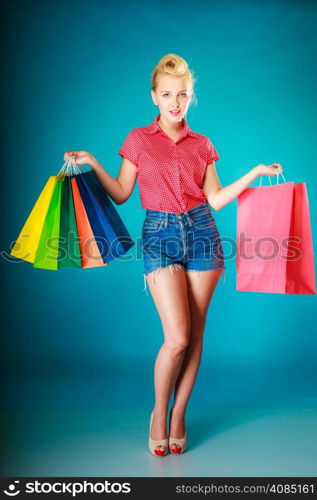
(184, 90)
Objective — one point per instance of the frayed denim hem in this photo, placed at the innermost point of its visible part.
(155, 271)
(223, 271)
(172, 269)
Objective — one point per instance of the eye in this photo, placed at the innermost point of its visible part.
(183, 94)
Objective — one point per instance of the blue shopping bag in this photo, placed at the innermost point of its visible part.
(110, 233)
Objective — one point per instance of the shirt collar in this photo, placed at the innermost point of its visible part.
(155, 127)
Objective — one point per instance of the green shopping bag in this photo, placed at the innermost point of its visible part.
(46, 256)
(69, 250)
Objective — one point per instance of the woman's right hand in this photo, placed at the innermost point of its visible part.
(81, 158)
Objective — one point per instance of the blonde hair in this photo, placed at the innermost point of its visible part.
(173, 65)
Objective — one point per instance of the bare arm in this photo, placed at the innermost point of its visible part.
(120, 188)
(218, 196)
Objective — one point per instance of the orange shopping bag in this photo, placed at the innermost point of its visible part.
(89, 251)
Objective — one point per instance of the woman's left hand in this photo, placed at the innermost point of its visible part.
(274, 169)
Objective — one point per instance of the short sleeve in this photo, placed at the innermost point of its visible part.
(129, 149)
(212, 154)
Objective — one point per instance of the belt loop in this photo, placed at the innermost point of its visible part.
(166, 220)
(190, 221)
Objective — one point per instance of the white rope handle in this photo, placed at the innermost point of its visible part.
(64, 166)
(277, 179)
(69, 167)
(76, 168)
(65, 169)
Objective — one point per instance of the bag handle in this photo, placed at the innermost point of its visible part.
(70, 167)
(277, 179)
(76, 168)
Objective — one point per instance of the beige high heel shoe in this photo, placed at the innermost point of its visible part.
(183, 442)
(153, 443)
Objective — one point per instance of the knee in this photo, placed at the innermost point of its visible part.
(178, 343)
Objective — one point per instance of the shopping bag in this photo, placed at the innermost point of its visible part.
(113, 240)
(69, 251)
(72, 208)
(274, 240)
(300, 271)
(46, 256)
(89, 251)
(27, 242)
(109, 211)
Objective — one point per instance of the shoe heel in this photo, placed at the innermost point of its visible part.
(153, 443)
(183, 442)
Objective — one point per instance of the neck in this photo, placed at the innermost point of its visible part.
(170, 128)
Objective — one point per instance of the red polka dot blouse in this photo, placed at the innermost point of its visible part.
(170, 174)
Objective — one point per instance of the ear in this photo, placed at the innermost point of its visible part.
(154, 97)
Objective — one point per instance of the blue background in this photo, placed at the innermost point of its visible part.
(81, 344)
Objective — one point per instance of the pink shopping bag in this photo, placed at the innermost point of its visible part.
(274, 240)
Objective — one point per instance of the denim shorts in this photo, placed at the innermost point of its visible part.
(187, 239)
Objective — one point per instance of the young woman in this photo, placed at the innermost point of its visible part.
(182, 252)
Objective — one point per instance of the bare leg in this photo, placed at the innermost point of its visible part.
(200, 290)
(170, 296)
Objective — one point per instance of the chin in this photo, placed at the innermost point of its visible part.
(175, 118)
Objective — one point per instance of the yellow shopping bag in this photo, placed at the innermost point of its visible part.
(26, 245)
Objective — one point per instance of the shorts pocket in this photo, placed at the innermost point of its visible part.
(151, 225)
(204, 221)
